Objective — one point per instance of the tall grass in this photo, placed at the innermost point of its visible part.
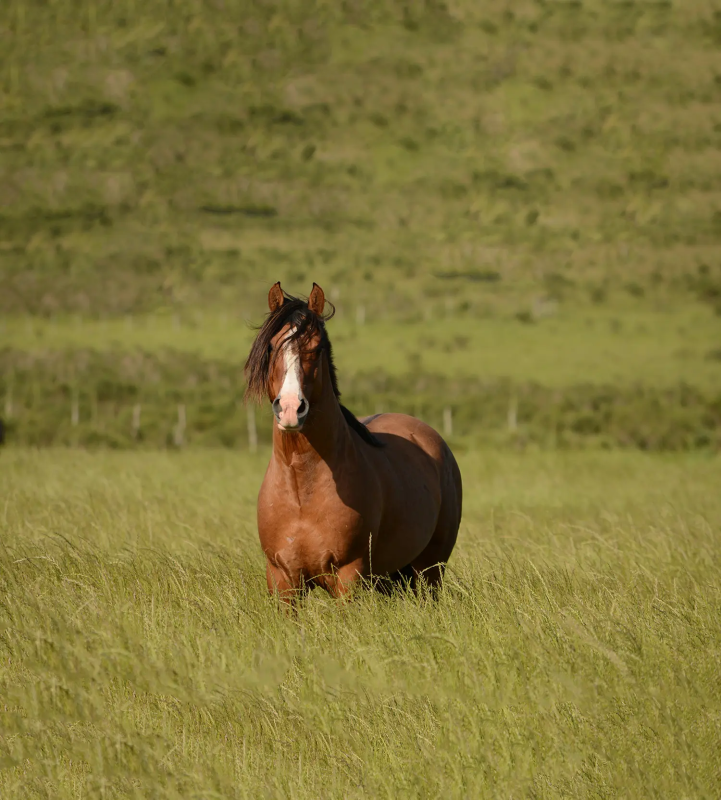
(574, 651)
(526, 191)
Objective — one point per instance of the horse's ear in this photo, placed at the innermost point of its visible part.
(316, 301)
(275, 297)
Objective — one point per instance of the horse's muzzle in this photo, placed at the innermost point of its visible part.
(290, 412)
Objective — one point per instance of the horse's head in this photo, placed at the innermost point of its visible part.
(294, 376)
(286, 361)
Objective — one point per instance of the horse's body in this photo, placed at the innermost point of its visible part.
(340, 501)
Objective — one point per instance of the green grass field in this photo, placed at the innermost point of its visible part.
(574, 651)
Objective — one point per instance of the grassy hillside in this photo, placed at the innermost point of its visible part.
(574, 652)
(526, 191)
(157, 154)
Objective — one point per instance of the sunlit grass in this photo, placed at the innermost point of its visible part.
(573, 652)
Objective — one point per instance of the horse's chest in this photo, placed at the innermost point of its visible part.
(286, 527)
(305, 552)
(305, 538)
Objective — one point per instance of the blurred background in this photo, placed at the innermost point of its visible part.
(514, 206)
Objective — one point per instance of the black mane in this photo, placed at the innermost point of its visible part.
(306, 323)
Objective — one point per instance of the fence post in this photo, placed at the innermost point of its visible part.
(179, 430)
(252, 431)
(74, 409)
(136, 421)
(9, 400)
(513, 413)
(448, 421)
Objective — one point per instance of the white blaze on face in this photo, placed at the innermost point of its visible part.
(291, 382)
(291, 393)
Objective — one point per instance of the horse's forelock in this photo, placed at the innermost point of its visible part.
(304, 324)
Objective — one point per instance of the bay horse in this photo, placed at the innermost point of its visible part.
(343, 499)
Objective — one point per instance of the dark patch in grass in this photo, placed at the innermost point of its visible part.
(87, 109)
(452, 190)
(229, 125)
(246, 211)
(598, 294)
(556, 285)
(499, 181)
(495, 180)
(476, 275)
(379, 120)
(432, 18)
(541, 177)
(269, 114)
(56, 220)
(532, 216)
(146, 265)
(186, 79)
(608, 189)
(565, 143)
(543, 83)
(410, 144)
(12, 145)
(209, 66)
(706, 286)
(647, 180)
(712, 27)
(635, 289)
(408, 69)
(317, 111)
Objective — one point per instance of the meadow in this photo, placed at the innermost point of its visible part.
(515, 208)
(574, 651)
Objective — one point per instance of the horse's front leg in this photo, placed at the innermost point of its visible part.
(278, 584)
(345, 578)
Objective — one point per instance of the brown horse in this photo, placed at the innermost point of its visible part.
(342, 499)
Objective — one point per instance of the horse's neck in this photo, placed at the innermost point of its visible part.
(324, 442)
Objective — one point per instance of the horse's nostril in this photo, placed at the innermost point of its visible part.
(276, 406)
(302, 408)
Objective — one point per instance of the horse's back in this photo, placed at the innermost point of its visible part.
(388, 426)
(403, 435)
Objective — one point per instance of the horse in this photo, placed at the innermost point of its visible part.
(343, 499)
